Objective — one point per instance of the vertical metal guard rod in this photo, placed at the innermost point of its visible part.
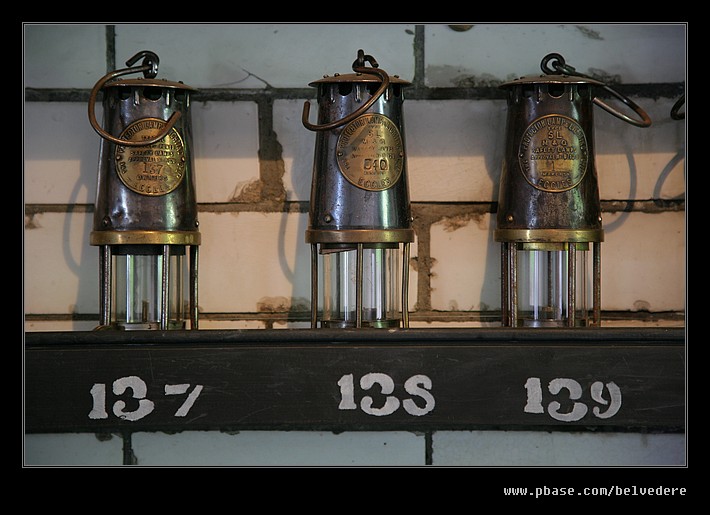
(314, 285)
(358, 287)
(571, 284)
(164, 289)
(513, 263)
(405, 287)
(105, 282)
(504, 283)
(194, 251)
(597, 286)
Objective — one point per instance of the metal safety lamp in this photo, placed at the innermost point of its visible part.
(145, 217)
(360, 218)
(549, 212)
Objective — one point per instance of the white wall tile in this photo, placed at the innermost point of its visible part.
(457, 324)
(454, 149)
(278, 448)
(637, 53)
(556, 448)
(226, 145)
(207, 325)
(292, 325)
(67, 450)
(36, 326)
(643, 262)
(640, 163)
(249, 261)
(252, 55)
(298, 147)
(64, 55)
(265, 55)
(466, 270)
(61, 153)
(61, 269)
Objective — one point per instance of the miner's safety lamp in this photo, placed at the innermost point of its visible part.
(360, 219)
(549, 212)
(145, 217)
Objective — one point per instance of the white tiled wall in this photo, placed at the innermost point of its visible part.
(637, 53)
(543, 449)
(251, 260)
(362, 449)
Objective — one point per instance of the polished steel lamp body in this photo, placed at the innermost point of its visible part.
(355, 187)
(549, 179)
(146, 188)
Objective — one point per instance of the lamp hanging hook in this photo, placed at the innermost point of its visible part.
(150, 63)
(560, 67)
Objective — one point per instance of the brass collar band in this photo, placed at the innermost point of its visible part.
(552, 247)
(360, 236)
(145, 238)
(148, 83)
(549, 235)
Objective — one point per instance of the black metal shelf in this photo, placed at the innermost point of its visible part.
(591, 379)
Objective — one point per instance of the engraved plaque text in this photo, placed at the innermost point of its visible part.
(553, 153)
(370, 152)
(155, 169)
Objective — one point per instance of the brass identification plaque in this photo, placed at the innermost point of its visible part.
(370, 152)
(553, 153)
(155, 169)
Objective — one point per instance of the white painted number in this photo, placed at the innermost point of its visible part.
(614, 401)
(179, 389)
(418, 386)
(575, 392)
(138, 390)
(98, 394)
(577, 409)
(386, 387)
(379, 383)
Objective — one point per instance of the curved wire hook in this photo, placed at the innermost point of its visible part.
(149, 68)
(675, 110)
(562, 67)
(358, 67)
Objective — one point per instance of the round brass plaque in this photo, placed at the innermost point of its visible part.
(553, 153)
(370, 152)
(155, 169)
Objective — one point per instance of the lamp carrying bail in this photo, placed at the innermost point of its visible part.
(358, 67)
(149, 67)
(676, 113)
(561, 66)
